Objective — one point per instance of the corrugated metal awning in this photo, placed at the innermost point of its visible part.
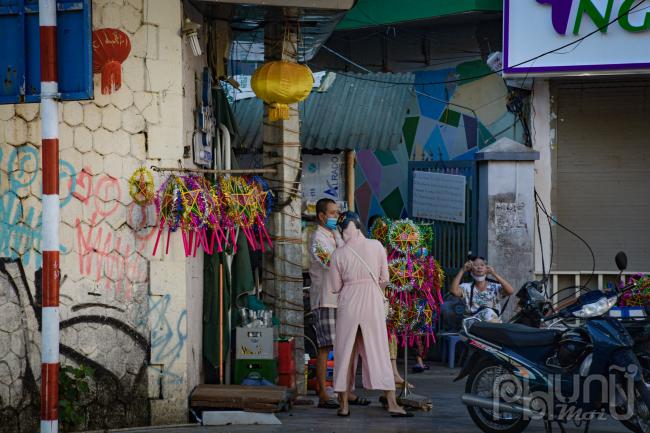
(352, 114)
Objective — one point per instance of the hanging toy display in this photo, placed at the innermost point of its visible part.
(415, 279)
(639, 296)
(246, 204)
(141, 187)
(197, 208)
(264, 204)
(169, 207)
(209, 215)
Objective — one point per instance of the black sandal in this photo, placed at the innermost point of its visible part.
(359, 401)
(328, 404)
(401, 415)
(341, 414)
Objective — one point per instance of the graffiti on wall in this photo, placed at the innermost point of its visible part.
(168, 334)
(109, 256)
(20, 217)
(120, 367)
(110, 243)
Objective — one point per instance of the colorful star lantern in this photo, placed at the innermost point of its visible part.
(639, 296)
(405, 275)
(198, 207)
(322, 255)
(246, 205)
(404, 236)
(379, 230)
(141, 187)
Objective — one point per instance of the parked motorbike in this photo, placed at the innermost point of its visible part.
(516, 373)
(533, 306)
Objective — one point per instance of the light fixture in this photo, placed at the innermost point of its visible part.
(191, 31)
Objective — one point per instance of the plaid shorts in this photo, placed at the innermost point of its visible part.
(325, 326)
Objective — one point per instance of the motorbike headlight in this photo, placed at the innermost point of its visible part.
(595, 309)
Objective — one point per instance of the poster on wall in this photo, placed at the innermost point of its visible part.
(575, 36)
(439, 196)
(323, 176)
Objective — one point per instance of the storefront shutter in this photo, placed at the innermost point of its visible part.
(602, 168)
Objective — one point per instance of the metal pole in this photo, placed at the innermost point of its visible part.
(406, 392)
(50, 218)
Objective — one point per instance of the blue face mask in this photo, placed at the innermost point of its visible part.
(331, 223)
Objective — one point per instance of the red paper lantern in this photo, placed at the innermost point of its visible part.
(110, 48)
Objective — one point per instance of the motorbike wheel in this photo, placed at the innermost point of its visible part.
(641, 422)
(482, 383)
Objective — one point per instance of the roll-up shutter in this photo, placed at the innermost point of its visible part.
(602, 178)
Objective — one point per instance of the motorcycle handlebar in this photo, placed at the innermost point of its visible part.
(561, 312)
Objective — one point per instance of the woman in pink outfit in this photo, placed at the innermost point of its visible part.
(358, 273)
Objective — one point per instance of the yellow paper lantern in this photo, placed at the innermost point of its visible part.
(280, 83)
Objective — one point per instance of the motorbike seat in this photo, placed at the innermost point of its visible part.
(514, 334)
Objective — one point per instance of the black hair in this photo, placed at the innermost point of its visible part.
(372, 220)
(321, 205)
(349, 217)
(472, 257)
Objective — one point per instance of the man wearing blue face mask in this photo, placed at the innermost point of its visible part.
(324, 241)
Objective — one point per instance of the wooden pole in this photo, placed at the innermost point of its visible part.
(282, 277)
(350, 159)
(217, 172)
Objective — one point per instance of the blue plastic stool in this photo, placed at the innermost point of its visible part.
(449, 342)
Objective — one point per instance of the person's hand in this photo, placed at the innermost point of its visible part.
(490, 270)
(468, 266)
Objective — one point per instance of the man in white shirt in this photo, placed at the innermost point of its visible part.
(324, 241)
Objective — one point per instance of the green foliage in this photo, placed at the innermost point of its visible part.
(74, 389)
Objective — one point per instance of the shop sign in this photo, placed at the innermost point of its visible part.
(323, 177)
(619, 43)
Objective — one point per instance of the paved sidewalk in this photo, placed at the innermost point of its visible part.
(448, 415)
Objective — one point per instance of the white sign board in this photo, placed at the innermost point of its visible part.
(534, 27)
(323, 176)
(439, 196)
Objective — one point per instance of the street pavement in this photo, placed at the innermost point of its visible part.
(447, 416)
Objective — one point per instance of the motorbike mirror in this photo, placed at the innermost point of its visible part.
(621, 261)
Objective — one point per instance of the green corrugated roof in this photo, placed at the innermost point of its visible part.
(354, 113)
(371, 13)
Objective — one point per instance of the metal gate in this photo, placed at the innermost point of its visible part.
(452, 241)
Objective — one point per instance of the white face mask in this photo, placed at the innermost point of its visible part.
(478, 278)
(350, 232)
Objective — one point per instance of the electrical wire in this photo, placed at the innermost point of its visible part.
(582, 287)
(499, 71)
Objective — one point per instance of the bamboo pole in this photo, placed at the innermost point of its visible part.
(350, 159)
